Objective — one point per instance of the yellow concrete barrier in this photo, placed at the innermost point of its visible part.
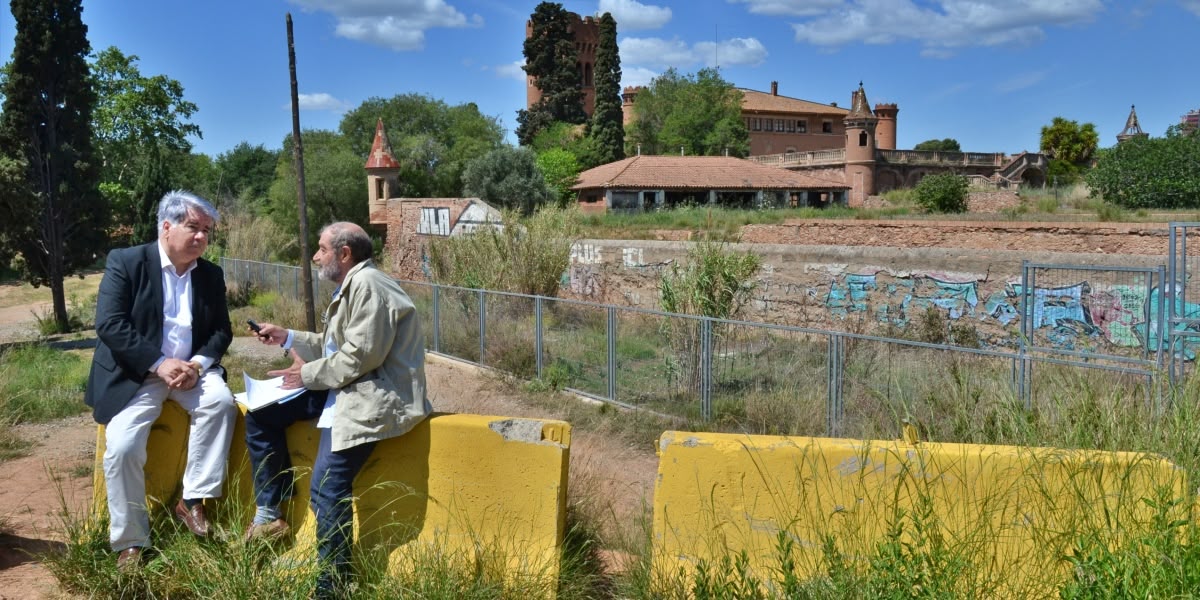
(1003, 517)
(469, 487)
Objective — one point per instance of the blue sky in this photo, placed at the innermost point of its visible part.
(988, 73)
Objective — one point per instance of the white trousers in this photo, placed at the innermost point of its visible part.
(211, 410)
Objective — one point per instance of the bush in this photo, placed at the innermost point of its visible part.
(942, 193)
(526, 256)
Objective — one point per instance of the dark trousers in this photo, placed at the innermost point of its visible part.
(333, 474)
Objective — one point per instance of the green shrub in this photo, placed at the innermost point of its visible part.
(526, 256)
(942, 193)
(1110, 212)
(39, 383)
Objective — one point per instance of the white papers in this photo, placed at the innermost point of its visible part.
(264, 392)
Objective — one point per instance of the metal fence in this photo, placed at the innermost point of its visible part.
(757, 377)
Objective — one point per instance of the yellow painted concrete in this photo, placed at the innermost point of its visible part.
(463, 486)
(1011, 513)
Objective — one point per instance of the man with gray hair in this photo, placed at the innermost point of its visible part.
(162, 326)
(365, 378)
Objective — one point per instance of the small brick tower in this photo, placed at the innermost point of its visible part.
(586, 33)
(383, 176)
(860, 147)
(885, 131)
(1132, 128)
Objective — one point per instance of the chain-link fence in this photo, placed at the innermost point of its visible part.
(764, 378)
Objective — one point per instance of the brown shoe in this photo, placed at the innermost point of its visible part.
(275, 530)
(194, 518)
(129, 559)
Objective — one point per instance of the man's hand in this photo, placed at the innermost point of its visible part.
(291, 375)
(179, 374)
(269, 333)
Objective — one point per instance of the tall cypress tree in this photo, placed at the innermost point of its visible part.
(607, 129)
(550, 58)
(53, 214)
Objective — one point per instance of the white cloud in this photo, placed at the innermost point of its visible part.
(320, 101)
(1021, 81)
(637, 76)
(1191, 5)
(399, 25)
(737, 51)
(792, 8)
(943, 25)
(657, 52)
(631, 14)
(511, 70)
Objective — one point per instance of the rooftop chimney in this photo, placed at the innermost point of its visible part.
(774, 88)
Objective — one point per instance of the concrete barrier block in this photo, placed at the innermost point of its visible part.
(464, 486)
(1012, 513)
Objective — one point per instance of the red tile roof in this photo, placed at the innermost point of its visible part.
(698, 172)
(381, 151)
(762, 102)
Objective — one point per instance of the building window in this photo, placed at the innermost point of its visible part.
(757, 124)
(778, 124)
(802, 126)
(827, 126)
(434, 221)
(791, 125)
(379, 189)
(862, 138)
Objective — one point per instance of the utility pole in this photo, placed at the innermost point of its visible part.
(310, 313)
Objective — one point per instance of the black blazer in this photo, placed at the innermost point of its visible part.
(129, 324)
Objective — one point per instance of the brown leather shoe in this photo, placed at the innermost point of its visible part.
(129, 559)
(275, 530)
(194, 518)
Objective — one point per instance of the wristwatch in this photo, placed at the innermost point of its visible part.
(195, 364)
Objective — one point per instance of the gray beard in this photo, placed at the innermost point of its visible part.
(329, 272)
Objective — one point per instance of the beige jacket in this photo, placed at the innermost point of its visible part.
(378, 369)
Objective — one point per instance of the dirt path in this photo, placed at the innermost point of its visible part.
(57, 473)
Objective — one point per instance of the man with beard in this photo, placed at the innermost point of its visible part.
(365, 378)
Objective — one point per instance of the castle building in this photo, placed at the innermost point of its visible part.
(586, 31)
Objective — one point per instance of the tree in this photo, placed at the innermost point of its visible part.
(137, 116)
(701, 113)
(52, 215)
(561, 171)
(1150, 172)
(508, 177)
(607, 128)
(946, 145)
(943, 193)
(1070, 147)
(151, 186)
(432, 140)
(334, 183)
(245, 172)
(550, 58)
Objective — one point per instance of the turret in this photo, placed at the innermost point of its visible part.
(860, 147)
(383, 176)
(885, 130)
(1132, 127)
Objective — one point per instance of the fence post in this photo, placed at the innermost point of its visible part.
(1025, 372)
(611, 335)
(833, 385)
(537, 333)
(706, 369)
(482, 327)
(437, 311)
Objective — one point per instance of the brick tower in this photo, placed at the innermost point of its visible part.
(383, 176)
(860, 147)
(1132, 129)
(885, 130)
(586, 32)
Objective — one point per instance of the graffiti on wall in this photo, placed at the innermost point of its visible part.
(1085, 317)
